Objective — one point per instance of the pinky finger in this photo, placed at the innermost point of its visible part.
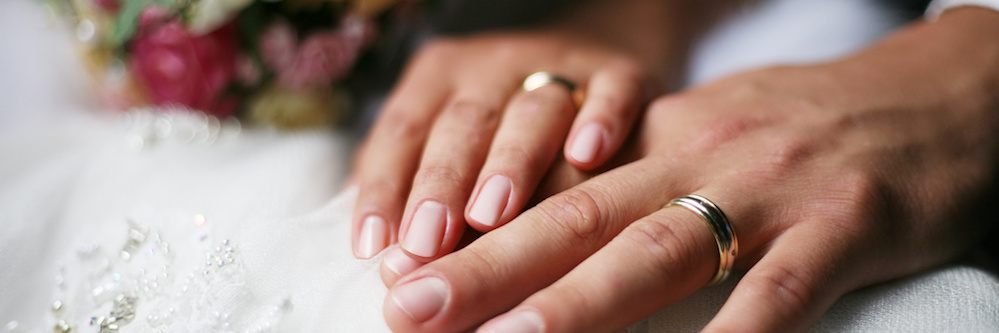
(789, 288)
(612, 104)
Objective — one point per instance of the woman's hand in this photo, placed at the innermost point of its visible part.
(459, 141)
(474, 145)
(834, 176)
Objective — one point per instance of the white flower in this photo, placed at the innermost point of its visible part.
(206, 15)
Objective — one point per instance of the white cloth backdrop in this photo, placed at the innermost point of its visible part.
(197, 226)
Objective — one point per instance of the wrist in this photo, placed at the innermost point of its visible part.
(953, 61)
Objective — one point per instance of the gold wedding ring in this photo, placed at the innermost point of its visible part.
(728, 244)
(542, 78)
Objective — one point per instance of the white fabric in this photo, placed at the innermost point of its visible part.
(73, 176)
(937, 7)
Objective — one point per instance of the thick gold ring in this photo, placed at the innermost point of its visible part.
(728, 243)
(542, 78)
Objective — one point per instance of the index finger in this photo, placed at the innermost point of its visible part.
(512, 262)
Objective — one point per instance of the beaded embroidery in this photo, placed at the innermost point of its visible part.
(138, 278)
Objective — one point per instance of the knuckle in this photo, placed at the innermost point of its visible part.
(787, 288)
(787, 154)
(437, 50)
(518, 157)
(437, 175)
(853, 191)
(859, 196)
(783, 155)
(719, 130)
(856, 186)
(670, 109)
(627, 68)
(401, 125)
(508, 50)
(577, 214)
(669, 247)
(473, 114)
(751, 86)
(491, 268)
(631, 77)
(542, 102)
(382, 187)
(613, 108)
(669, 105)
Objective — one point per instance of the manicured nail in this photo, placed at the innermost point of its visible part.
(523, 321)
(587, 143)
(426, 230)
(374, 237)
(400, 263)
(421, 299)
(492, 199)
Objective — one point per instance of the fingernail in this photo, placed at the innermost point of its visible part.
(492, 199)
(426, 230)
(421, 299)
(399, 263)
(374, 236)
(523, 321)
(587, 143)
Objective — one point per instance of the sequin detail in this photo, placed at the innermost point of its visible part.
(134, 287)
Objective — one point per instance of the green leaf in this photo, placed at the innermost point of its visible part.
(127, 21)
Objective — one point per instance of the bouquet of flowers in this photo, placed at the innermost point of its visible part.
(277, 62)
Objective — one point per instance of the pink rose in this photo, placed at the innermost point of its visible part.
(278, 44)
(323, 57)
(177, 67)
(248, 71)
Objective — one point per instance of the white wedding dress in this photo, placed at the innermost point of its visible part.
(159, 221)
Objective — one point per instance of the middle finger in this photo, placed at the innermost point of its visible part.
(433, 223)
(534, 126)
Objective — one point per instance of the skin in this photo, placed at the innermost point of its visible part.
(458, 120)
(835, 177)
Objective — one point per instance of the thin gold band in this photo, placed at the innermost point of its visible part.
(542, 78)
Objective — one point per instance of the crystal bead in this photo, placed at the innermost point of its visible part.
(62, 327)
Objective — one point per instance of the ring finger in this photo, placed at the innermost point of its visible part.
(658, 260)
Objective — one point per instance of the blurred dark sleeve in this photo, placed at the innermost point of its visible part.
(912, 8)
(462, 16)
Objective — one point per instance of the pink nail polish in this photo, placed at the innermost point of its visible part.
(492, 200)
(421, 299)
(522, 321)
(400, 263)
(587, 143)
(374, 236)
(426, 230)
